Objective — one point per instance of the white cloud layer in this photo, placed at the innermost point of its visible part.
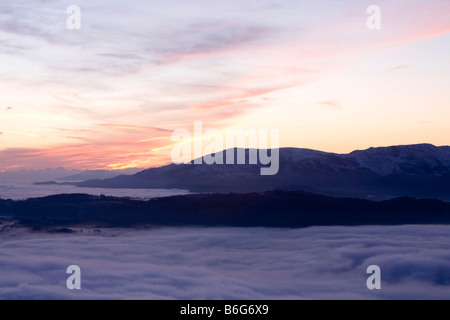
(229, 263)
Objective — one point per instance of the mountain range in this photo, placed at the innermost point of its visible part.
(421, 171)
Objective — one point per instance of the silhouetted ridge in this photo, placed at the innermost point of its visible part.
(269, 209)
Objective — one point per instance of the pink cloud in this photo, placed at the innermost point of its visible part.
(239, 97)
(401, 67)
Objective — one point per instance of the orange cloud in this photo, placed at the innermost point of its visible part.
(131, 127)
(114, 153)
(153, 139)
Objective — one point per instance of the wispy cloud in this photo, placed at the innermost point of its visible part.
(239, 98)
(23, 134)
(133, 128)
(401, 67)
(332, 104)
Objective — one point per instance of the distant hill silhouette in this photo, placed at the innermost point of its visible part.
(60, 174)
(283, 209)
(421, 171)
(99, 174)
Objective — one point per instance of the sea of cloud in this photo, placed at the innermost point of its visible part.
(229, 263)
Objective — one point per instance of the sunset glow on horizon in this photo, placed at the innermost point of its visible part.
(109, 96)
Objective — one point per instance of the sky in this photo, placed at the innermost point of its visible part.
(110, 95)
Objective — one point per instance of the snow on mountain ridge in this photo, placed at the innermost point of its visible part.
(409, 159)
(406, 159)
